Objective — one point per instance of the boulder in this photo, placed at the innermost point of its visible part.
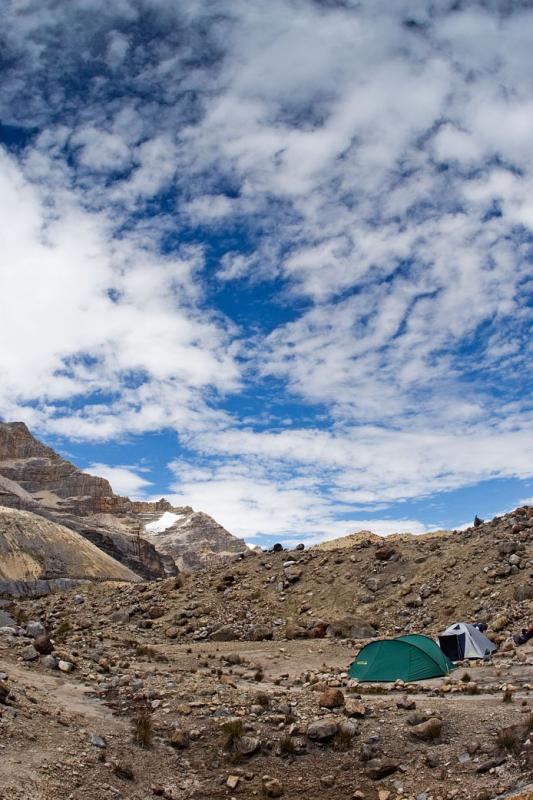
(322, 729)
(30, 653)
(247, 745)
(180, 739)
(259, 633)
(378, 768)
(43, 645)
(272, 787)
(385, 552)
(355, 708)
(351, 628)
(428, 730)
(35, 628)
(224, 634)
(331, 698)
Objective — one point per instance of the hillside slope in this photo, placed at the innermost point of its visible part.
(33, 548)
(413, 584)
(34, 477)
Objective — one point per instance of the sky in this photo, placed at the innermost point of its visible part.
(272, 259)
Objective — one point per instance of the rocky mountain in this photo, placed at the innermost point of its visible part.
(33, 549)
(35, 478)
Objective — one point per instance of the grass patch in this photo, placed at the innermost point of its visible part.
(143, 730)
(286, 745)
(262, 699)
(233, 729)
(343, 740)
(62, 630)
(507, 696)
(509, 739)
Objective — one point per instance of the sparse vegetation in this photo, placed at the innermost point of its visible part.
(233, 729)
(62, 630)
(465, 677)
(123, 771)
(343, 739)
(262, 699)
(509, 739)
(286, 745)
(507, 696)
(143, 729)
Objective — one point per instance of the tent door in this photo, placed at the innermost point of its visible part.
(453, 646)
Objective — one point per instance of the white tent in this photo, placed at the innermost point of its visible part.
(463, 640)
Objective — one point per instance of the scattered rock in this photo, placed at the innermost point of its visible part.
(428, 730)
(331, 698)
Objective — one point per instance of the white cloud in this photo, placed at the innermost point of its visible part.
(370, 163)
(124, 481)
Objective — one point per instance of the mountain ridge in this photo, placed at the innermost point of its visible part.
(33, 477)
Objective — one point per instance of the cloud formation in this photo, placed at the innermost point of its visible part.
(360, 173)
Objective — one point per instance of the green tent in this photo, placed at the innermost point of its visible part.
(409, 658)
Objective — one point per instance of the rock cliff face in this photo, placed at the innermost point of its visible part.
(33, 548)
(36, 478)
(195, 539)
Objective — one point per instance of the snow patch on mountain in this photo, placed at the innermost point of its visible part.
(163, 523)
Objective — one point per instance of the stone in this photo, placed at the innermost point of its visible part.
(385, 552)
(327, 781)
(293, 573)
(121, 616)
(180, 739)
(406, 703)
(232, 781)
(155, 612)
(428, 730)
(322, 729)
(355, 708)
(259, 633)
(348, 728)
(499, 622)
(30, 653)
(378, 768)
(172, 633)
(272, 787)
(97, 741)
(65, 666)
(43, 645)
(35, 628)
(247, 745)
(331, 698)
(351, 627)
(50, 662)
(224, 634)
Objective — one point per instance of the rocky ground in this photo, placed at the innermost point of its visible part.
(232, 682)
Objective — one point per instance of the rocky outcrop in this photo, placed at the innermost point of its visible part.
(34, 477)
(33, 548)
(195, 539)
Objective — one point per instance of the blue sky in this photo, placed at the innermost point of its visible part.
(273, 259)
